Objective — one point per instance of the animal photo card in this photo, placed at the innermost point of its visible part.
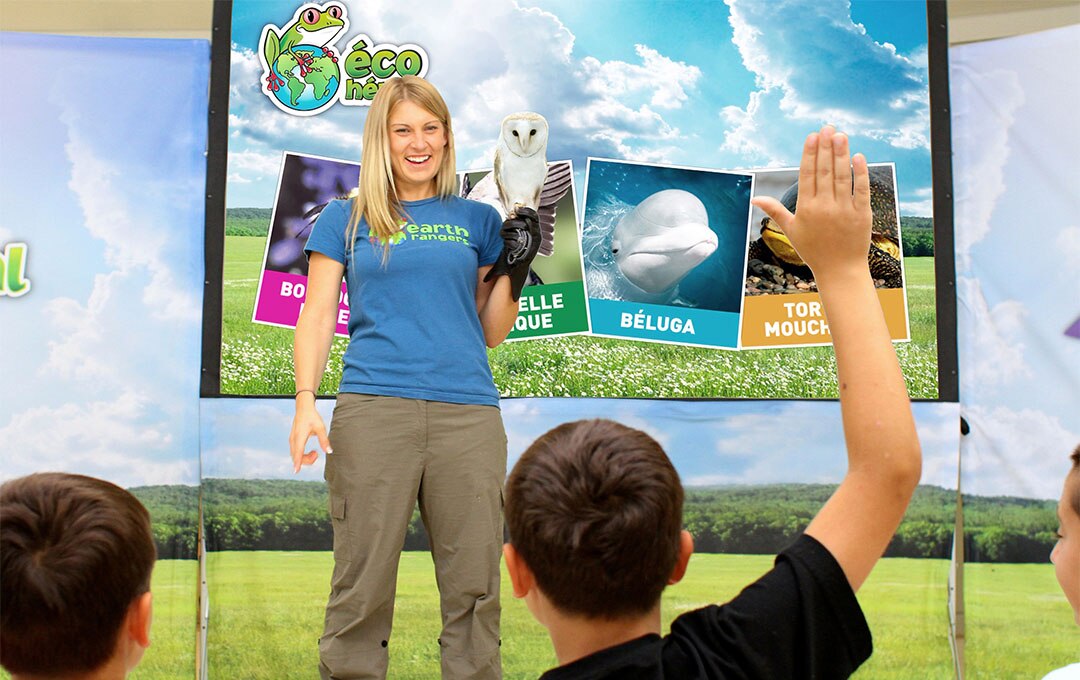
(553, 300)
(664, 251)
(782, 307)
(306, 184)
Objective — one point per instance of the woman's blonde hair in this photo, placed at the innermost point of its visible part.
(377, 200)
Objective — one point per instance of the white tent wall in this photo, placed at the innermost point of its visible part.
(969, 20)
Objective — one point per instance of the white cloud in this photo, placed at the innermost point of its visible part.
(921, 205)
(249, 439)
(667, 79)
(134, 237)
(142, 289)
(593, 108)
(985, 104)
(255, 163)
(779, 443)
(124, 440)
(991, 350)
(1015, 452)
(248, 462)
(803, 442)
(264, 130)
(876, 93)
(745, 136)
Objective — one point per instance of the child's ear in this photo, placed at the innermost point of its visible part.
(138, 619)
(686, 549)
(521, 578)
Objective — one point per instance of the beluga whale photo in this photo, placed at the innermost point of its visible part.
(663, 250)
(665, 236)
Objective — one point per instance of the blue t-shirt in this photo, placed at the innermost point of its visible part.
(414, 331)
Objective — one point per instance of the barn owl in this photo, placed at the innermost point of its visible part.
(521, 160)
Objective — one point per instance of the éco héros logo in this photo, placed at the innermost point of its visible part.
(305, 73)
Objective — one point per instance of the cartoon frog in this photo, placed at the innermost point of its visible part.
(314, 25)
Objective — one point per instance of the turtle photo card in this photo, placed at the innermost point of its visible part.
(553, 300)
(663, 249)
(781, 305)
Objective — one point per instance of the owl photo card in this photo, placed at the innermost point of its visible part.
(664, 250)
(782, 307)
(553, 300)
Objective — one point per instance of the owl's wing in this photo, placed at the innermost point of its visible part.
(556, 184)
(484, 191)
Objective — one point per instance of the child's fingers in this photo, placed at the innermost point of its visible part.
(861, 182)
(808, 166)
(825, 162)
(841, 166)
(775, 210)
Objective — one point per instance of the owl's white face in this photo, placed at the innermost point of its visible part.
(525, 136)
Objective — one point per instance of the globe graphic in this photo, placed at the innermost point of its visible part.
(313, 90)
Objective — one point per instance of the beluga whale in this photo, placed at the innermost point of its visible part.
(659, 242)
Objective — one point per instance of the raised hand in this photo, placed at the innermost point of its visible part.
(831, 225)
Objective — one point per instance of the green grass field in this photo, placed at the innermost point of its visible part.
(175, 624)
(257, 359)
(266, 616)
(1019, 624)
(267, 607)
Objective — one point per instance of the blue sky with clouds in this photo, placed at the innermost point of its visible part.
(102, 175)
(1015, 166)
(710, 443)
(733, 84)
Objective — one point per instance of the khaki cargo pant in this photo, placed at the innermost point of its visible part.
(388, 453)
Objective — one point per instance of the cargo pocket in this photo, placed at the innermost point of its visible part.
(341, 529)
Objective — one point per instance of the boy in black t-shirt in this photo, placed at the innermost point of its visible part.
(594, 508)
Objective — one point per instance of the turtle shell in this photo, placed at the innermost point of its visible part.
(882, 202)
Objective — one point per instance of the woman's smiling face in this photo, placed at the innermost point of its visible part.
(417, 145)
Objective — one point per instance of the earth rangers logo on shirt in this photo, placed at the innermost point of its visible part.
(302, 66)
(424, 232)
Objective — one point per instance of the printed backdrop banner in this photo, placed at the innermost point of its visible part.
(102, 171)
(1017, 158)
(755, 472)
(661, 274)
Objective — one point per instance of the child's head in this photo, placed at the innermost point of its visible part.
(1066, 554)
(75, 560)
(594, 510)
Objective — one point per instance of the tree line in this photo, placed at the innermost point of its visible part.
(917, 236)
(247, 221)
(292, 515)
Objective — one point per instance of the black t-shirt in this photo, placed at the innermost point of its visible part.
(800, 620)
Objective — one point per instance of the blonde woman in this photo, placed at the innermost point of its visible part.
(430, 284)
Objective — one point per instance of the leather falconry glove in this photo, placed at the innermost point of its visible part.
(521, 240)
